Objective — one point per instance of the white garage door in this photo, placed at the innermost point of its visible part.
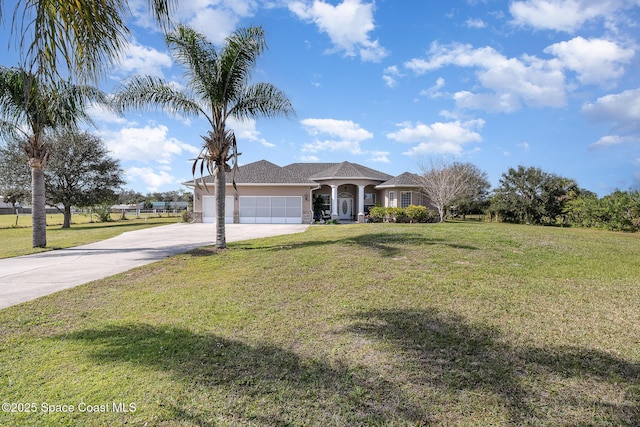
(270, 210)
(209, 209)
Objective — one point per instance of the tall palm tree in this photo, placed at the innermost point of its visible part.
(81, 37)
(218, 87)
(29, 107)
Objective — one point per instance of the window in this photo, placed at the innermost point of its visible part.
(369, 198)
(392, 199)
(326, 202)
(405, 199)
(369, 201)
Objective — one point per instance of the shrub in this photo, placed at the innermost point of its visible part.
(412, 213)
(417, 213)
(377, 214)
(104, 212)
(396, 215)
(187, 216)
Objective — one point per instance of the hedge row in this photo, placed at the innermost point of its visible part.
(411, 213)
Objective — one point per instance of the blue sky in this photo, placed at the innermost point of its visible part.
(395, 84)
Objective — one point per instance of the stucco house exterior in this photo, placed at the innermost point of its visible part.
(268, 193)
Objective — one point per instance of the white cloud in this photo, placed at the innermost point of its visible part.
(216, 19)
(347, 24)
(475, 23)
(622, 110)
(434, 91)
(438, 138)
(535, 82)
(492, 102)
(595, 60)
(390, 75)
(311, 159)
(153, 178)
(146, 144)
(101, 114)
(215, 24)
(246, 130)
(562, 15)
(344, 135)
(380, 156)
(145, 60)
(612, 140)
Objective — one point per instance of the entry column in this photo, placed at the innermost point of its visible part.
(360, 203)
(334, 201)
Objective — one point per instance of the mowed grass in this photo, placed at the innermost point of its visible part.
(17, 240)
(456, 324)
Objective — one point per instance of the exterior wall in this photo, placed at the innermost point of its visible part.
(417, 198)
(256, 190)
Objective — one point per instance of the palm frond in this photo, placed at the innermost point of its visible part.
(262, 99)
(25, 99)
(199, 57)
(238, 59)
(162, 10)
(80, 36)
(147, 92)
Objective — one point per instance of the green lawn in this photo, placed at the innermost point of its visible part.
(17, 240)
(470, 324)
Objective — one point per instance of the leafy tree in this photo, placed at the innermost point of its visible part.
(130, 197)
(80, 172)
(15, 180)
(621, 210)
(531, 195)
(218, 87)
(584, 210)
(477, 199)
(30, 107)
(444, 184)
(618, 211)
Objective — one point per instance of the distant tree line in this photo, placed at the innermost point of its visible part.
(527, 195)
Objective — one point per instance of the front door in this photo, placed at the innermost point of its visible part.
(345, 208)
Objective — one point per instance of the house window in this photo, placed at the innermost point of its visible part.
(326, 202)
(392, 199)
(405, 199)
(369, 201)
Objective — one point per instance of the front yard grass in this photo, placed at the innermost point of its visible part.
(16, 241)
(465, 324)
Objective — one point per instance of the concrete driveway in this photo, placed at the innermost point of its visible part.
(28, 277)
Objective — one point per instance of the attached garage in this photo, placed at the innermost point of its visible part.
(209, 209)
(270, 210)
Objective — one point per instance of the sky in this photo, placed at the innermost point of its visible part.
(395, 85)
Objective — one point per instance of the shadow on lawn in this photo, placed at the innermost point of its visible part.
(262, 384)
(535, 386)
(386, 244)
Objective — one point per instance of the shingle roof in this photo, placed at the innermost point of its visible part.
(262, 172)
(406, 179)
(265, 172)
(344, 170)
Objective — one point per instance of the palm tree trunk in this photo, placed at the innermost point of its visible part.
(220, 189)
(38, 208)
(66, 223)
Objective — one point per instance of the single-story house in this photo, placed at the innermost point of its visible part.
(268, 193)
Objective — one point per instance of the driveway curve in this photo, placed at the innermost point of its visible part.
(32, 276)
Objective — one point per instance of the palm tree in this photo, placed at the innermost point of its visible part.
(29, 107)
(218, 87)
(79, 36)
